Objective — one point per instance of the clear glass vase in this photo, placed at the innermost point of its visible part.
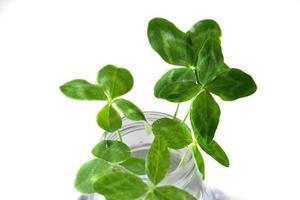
(138, 138)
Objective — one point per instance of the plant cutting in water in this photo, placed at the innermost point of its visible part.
(114, 172)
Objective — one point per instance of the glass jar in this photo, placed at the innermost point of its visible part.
(136, 136)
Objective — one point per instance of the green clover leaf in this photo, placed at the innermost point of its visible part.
(157, 161)
(177, 85)
(111, 151)
(169, 42)
(135, 165)
(232, 84)
(130, 110)
(215, 151)
(210, 61)
(172, 193)
(201, 32)
(120, 185)
(204, 115)
(82, 90)
(176, 134)
(89, 173)
(109, 119)
(114, 81)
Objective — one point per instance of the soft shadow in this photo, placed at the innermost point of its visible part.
(83, 197)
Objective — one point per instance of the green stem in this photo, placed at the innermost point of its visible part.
(197, 79)
(119, 135)
(177, 108)
(183, 158)
(186, 116)
(148, 128)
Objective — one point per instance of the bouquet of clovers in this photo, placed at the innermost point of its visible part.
(202, 74)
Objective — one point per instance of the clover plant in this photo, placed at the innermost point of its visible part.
(200, 74)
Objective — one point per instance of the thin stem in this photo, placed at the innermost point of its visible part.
(119, 135)
(148, 128)
(177, 108)
(186, 116)
(197, 79)
(183, 158)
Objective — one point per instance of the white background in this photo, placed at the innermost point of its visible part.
(45, 137)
